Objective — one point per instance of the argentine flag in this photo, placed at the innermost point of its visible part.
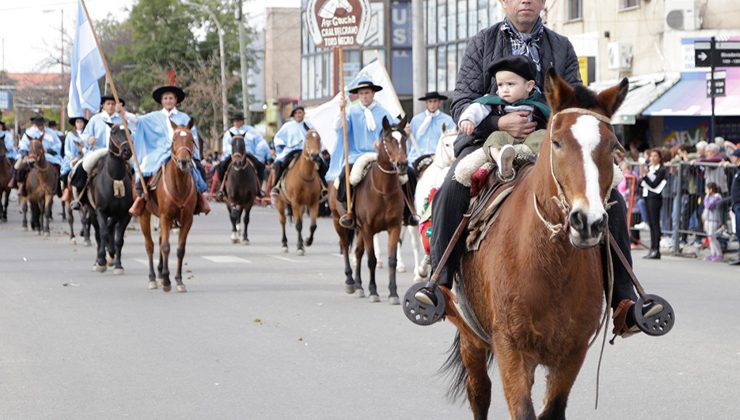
(87, 68)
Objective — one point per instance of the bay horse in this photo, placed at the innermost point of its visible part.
(241, 187)
(302, 190)
(378, 205)
(173, 200)
(535, 284)
(110, 195)
(41, 187)
(6, 175)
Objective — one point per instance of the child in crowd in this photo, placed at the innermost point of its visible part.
(712, 217)
(513, 90)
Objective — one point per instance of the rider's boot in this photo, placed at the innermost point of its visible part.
(505, 162)
(139, 202)
(202, 205)
(67, 195)
(625, 324)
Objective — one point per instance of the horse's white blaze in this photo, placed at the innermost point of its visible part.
(586, 131)
(397, 135)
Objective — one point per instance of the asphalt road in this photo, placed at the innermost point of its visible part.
(267, 335)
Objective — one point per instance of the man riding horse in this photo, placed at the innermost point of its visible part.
(153, 139)
(51, 142)
(253, 143)
(289, 141)
(520, 33)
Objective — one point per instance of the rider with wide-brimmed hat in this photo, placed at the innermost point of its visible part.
(153, 141)
(74, 150)
(252, 141)
(7, 137)
(51, 142)
(364, 127)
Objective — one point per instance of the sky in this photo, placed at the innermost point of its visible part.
(30, 29)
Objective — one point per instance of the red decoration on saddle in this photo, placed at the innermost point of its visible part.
(478, 180)
(425, 227)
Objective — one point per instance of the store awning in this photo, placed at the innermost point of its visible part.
(689, 97)
(643, 90)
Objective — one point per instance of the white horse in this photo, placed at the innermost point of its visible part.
(432, 177)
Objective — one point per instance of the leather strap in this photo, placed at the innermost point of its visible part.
(626, 265)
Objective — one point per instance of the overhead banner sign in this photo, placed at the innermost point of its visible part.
(338, 23)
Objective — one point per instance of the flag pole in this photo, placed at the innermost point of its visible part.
(109, 78)
(344, 126)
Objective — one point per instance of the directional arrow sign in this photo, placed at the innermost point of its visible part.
(726, 54)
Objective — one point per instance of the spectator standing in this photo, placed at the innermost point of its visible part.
(712, 218)
(653, 182)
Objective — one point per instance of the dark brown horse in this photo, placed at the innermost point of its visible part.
(302, 190)
(175, 198)
(6, 174)
(241, 187)
(378, 206)
(535, 283)
(41, 186)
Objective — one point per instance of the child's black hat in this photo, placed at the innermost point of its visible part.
(518, 64)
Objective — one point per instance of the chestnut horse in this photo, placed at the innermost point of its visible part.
(378, 206)
(535, 284)
(302, 190)
(175, 198)
(6, 174)
(41, 186)
(241, 187)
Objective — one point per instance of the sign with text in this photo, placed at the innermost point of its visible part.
(725, 54)
(338, 23)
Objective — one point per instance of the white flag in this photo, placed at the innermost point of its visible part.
(86, 68)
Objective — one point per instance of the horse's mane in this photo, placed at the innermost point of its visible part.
(585, 97)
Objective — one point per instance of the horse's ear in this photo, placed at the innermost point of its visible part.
(173, 125)
(610, 99)
(233, 133)
(402, 124)
(109, 124)
(191, 123)
(386, 124)
(444, 127)
(558, 92)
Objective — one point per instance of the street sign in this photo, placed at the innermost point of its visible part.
(726, 54)
(338, 23)
(719, 88)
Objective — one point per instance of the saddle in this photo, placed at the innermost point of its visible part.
(422, 163)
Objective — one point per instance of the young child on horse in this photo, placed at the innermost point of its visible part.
(153, 140)
(513, 89)
(253, 144)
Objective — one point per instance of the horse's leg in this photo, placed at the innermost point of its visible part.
(560, 380)
(24, 207)
(6, 198)
(345, 239)
(123, 221)
(478, 385)
(517, 375)
(281, 216)
(372, 262)
(394, 233)
(181, 240)
(401, 267)
(71, 221)
(298, 211)
(102, 237)
(110, 243)
(245, 234)
(234, 217)
(86, 223)
(314, 213)
(359, 250)
(164, 252)
(64, 211)
(145, 221)
(416, 249)
(378, 250)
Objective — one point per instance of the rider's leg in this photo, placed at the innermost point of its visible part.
(200, 187)
(278, 165)
(449, 205)
(221, 170)
(410, 218)
(346, 220)
(139, 202)
(78, 180)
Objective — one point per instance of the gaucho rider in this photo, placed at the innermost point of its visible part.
(520, 33)
(364, 127)
(288, 141)
(50, 141)
(253, 145)
(153, 141)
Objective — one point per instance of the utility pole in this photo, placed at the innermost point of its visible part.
(61, 65)
(243, 60)
(419, 64)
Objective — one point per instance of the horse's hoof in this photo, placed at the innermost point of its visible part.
(111, 261)
(379, 264)
(349, 288)
(152, 285)
(245, 241)
(166, 288)
(360, 293)
(88, 243)
(401, 268)
(301, 252)
(394, 300)
(309, 242)
(374, 298)
(118, 271)
(100, 268)
(234, 238)
(73, 241)
(181, 288)
(285, 249)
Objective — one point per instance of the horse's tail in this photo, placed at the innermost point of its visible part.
(454, 369)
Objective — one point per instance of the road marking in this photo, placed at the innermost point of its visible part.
(284, 259)
(142, 261)
(226, 259)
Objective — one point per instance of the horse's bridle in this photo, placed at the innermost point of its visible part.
(561, 201)
(394, 163)
(176, 150)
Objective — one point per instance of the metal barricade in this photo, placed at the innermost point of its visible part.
(683, 196)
